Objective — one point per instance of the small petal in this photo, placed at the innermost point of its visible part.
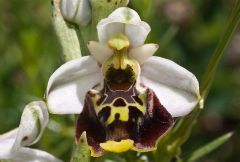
(176, 87)
(76, 11)
(33, 155)
(126, 21)
(137, 33)
(68, 85)
(100, 52)
(33, 122)
(142, 53)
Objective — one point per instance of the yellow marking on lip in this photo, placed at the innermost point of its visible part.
(117, 147)
(122, 111)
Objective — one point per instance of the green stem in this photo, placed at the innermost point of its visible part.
(73, 46)
(66, 34)
(82, 44)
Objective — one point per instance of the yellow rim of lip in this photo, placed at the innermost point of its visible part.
(117, 147)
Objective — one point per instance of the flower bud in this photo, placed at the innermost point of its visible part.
(76, 11)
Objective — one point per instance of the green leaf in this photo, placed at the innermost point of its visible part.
(204, 150)
(66, 33)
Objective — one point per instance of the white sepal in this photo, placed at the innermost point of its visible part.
(126, 21)
(69, 84)
(176, 87)
(76, 11)
(33, 155)
(144, 52)
(6, 143)
(100, 52)
(33, 122)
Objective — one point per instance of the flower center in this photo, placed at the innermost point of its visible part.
(120, 71)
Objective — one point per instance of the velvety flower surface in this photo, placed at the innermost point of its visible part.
(13, 144)
(126, 97)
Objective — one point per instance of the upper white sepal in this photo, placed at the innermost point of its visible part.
(126, 21)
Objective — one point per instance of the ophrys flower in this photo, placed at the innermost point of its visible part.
(126, 97)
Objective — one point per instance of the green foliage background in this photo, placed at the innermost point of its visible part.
(29, 53)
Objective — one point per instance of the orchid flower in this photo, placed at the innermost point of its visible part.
(126, 97)
(33, 122)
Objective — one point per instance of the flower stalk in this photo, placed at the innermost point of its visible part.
(66, 33)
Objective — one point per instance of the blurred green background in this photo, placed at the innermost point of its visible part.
(187, 32)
